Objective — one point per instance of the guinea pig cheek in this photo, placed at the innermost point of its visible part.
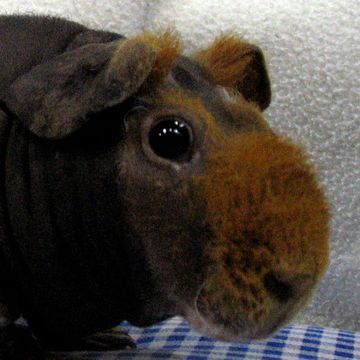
(269, 218)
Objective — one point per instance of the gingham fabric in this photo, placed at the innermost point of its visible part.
(173, 339)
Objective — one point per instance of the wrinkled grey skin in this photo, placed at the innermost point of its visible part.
(72, 263)
(94, 227)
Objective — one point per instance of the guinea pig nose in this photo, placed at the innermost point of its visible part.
(287, 285)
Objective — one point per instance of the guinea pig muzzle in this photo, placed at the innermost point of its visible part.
(269, 219)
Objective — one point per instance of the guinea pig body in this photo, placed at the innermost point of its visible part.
(138, 184)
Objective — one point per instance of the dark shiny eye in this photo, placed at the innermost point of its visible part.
(171, 139)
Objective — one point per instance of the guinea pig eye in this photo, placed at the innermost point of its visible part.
(171, 139)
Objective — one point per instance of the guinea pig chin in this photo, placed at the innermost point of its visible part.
(269, 220)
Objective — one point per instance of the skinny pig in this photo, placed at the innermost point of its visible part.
(137, 183)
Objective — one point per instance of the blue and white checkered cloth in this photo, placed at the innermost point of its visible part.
(173, 339)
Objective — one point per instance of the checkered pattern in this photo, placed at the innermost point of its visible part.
(173, 339)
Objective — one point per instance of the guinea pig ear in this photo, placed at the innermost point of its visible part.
(236, 64)
(55, 98)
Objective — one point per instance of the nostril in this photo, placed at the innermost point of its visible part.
(277, 288)
(284, 285)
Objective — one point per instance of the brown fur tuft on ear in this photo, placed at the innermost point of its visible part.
(168, 47)
(236, 64)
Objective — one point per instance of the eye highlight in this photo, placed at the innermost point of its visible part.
(171, 138)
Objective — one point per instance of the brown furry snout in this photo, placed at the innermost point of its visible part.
(270, 223)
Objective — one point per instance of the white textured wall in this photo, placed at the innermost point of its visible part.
(313, 49)
(125, 16)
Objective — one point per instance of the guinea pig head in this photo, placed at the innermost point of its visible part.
(223, 220)
(231, 220)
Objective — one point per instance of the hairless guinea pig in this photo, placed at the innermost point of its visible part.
(137, 183)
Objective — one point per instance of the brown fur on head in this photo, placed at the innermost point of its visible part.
(235, 64)
(167, 47)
